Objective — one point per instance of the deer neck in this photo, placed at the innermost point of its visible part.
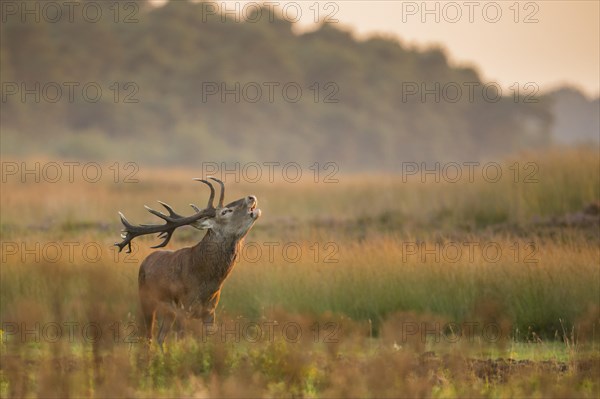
(215, 255)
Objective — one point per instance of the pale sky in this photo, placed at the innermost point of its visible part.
(559, 43)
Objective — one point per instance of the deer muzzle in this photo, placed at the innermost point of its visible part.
(252, 211)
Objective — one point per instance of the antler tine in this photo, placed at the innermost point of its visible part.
(124, 220)
(222, 196)
(172, 213)
(166, 230)
(126, 237)
(157, 213)
(212, 194)
(172, 221)
(167, 237)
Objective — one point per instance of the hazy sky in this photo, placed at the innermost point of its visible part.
(546, 42)
(562, 46)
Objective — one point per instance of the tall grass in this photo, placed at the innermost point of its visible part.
(370, 281)
(371, 254)
(376, 278)
(553, 183)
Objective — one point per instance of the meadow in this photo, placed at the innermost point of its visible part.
(407, 285)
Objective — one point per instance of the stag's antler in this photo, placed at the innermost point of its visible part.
(222, 196)
(173, 220)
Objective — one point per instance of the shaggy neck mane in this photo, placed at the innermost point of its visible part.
(216, 254)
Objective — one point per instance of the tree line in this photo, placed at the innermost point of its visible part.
(178, 85)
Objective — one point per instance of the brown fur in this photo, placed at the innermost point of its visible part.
(186, 283)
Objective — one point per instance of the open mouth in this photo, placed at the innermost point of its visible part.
(252, 211)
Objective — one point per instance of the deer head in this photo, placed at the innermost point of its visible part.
(232, 220)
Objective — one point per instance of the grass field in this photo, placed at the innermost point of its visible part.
(371, 286)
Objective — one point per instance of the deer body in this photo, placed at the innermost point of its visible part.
(176, 285)
(185, 283)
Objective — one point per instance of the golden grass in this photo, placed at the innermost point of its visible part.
(377, 272)
(562, 181)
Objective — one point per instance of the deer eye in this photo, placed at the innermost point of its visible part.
(225, 211)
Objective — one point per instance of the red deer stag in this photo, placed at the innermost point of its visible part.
(174, 285)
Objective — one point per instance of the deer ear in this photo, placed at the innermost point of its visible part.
(204, 224)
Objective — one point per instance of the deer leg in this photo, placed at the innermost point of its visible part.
(169, 316)
(149, 315)
(209, 318)
(149, 321)
(180, 322)
(208, 313)
(179, 328)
